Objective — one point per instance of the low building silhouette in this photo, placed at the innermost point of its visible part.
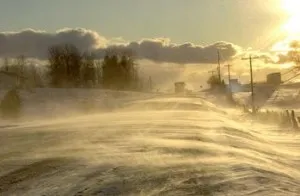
(274, 78)
(179, 87)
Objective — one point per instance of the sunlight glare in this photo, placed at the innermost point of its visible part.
(292, 26)
(291, 6)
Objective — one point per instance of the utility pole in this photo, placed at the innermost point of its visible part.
(229, 77)
(251, 77)
(219, 66)
(150, 83)
(229, 92)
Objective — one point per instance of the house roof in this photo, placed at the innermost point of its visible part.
(180, 83)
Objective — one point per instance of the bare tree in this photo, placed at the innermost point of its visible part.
(294, 54)
(119, 71)
(88, 70)
(6, 63)
(65, 64)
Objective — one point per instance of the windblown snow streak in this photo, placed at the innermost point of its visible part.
(151, 150)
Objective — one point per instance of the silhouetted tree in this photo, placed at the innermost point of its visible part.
(5, 66)
(88, 70)
(69, 68)
(213, 81)
(20, 65)
(217, 84)
(65, 64)
(34, 75)
(98, 70)
(294, 54)
(119, 72)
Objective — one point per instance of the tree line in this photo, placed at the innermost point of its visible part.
(68, 67)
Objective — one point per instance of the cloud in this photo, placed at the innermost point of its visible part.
(162, 50)
(34, 44)
(117, 41)
(287, 51)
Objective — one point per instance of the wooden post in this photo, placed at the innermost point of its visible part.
(251, 78)
(252, 89)
(219, 67)
(294, 121)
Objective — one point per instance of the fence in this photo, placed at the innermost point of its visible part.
(285, 119)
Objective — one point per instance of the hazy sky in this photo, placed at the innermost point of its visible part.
(248, 23)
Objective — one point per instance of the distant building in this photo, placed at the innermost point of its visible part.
(274, 78)
(179, 87)
(11, 80)
(234, 81)
(235, 85)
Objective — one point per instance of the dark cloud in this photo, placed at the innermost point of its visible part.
(161, 50)
(34, 44)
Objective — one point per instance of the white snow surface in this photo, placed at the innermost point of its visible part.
(142, 144)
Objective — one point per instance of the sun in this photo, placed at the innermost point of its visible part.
(292, 27)
(292, 8)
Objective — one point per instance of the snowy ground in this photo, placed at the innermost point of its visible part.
(154, 146)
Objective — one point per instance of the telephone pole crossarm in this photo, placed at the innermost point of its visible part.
(247, 58)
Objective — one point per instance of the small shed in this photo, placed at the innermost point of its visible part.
(274, 78)
(179, 87)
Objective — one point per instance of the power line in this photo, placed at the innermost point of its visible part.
(150, 83)
(289, 71)
(288, 80)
